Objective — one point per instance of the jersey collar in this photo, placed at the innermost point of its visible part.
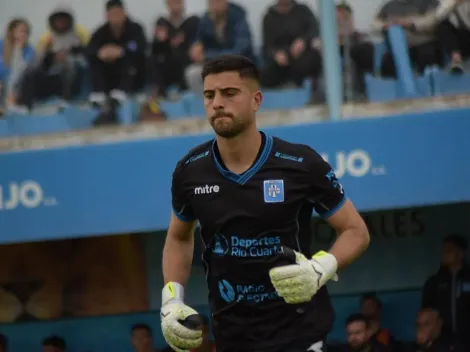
(248, 174)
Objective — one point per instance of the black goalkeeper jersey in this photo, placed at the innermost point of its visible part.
(245, 222)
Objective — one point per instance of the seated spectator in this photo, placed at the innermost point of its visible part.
(429, 334)
(173, 37)
(142, 339)
(423, 49)
(3, 343)
(16, 55)
(371, 308)
(454, 33)
(116, 56)
(222, 30)
(54, 344)
(448, 290)
(289, 28)
(357, 333)
(359, 49)
(59, 60)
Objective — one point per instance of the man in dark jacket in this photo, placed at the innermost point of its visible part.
(429, 334)
(449, 290)
(116, 56)
(223, 30)
(357, 333)
(290, 30)
(173, 37)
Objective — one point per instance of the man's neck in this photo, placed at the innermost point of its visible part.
(176, 17)
(240, 152)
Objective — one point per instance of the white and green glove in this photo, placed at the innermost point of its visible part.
(298, 283)
(177, 318)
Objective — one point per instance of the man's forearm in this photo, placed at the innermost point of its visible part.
(177, 260)
(350, 244)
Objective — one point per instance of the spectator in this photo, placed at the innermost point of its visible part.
(448, 290)
(357, 331)
(222, 30)
(361, 51)
(16, 55)
(54, 344)
(429, 336)
(371, 308)
(3, 343)
(142, 339)
(60, 59)
(289, 28)
(116, 56)
(173, 37)
(454, 33)
(423, 49)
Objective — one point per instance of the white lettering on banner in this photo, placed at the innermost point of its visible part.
(27, 194)
(356, 163)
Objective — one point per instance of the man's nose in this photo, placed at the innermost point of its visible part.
(217, 102)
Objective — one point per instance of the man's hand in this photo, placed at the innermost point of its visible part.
(177, 40)
(299, 282)
(161, 33)
(173, 313)
(297, 47)
(281, 58)
(196, 53)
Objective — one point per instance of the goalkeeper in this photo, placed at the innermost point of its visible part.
(253, 196)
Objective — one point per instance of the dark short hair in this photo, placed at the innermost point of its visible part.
(344, 6)
(371, 296)
(141, 327)
(353, 318)
(114, 3)
(3, 341)
(231, 63)
(55, 341)
(457, 241)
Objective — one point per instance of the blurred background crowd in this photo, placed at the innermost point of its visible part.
(121, 59)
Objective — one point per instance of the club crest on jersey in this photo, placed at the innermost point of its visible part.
(273, 191)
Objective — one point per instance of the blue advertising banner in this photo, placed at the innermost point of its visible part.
(400, 161)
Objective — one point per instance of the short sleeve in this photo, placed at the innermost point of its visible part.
(326, 192)
(179, 198)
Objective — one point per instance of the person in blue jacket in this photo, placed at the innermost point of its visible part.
(223, 30)
(15, 56)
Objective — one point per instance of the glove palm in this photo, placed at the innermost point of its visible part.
(177, 336)
(298, 283)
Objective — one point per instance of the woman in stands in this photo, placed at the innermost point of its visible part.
(16, 54)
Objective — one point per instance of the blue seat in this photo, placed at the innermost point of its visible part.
(80, 119)
(4, 128)
(30, 125)
(383, 90)
(284, 99)
(445, 83)
(194, 105)
(174, 109)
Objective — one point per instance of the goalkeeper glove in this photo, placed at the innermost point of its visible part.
(299, 282)
(176, 318)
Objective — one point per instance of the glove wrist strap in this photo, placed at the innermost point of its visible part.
(329, 264)
(172, 291)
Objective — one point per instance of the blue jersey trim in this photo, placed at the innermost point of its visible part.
(248, 174)
(335, 209)
(182, 217)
